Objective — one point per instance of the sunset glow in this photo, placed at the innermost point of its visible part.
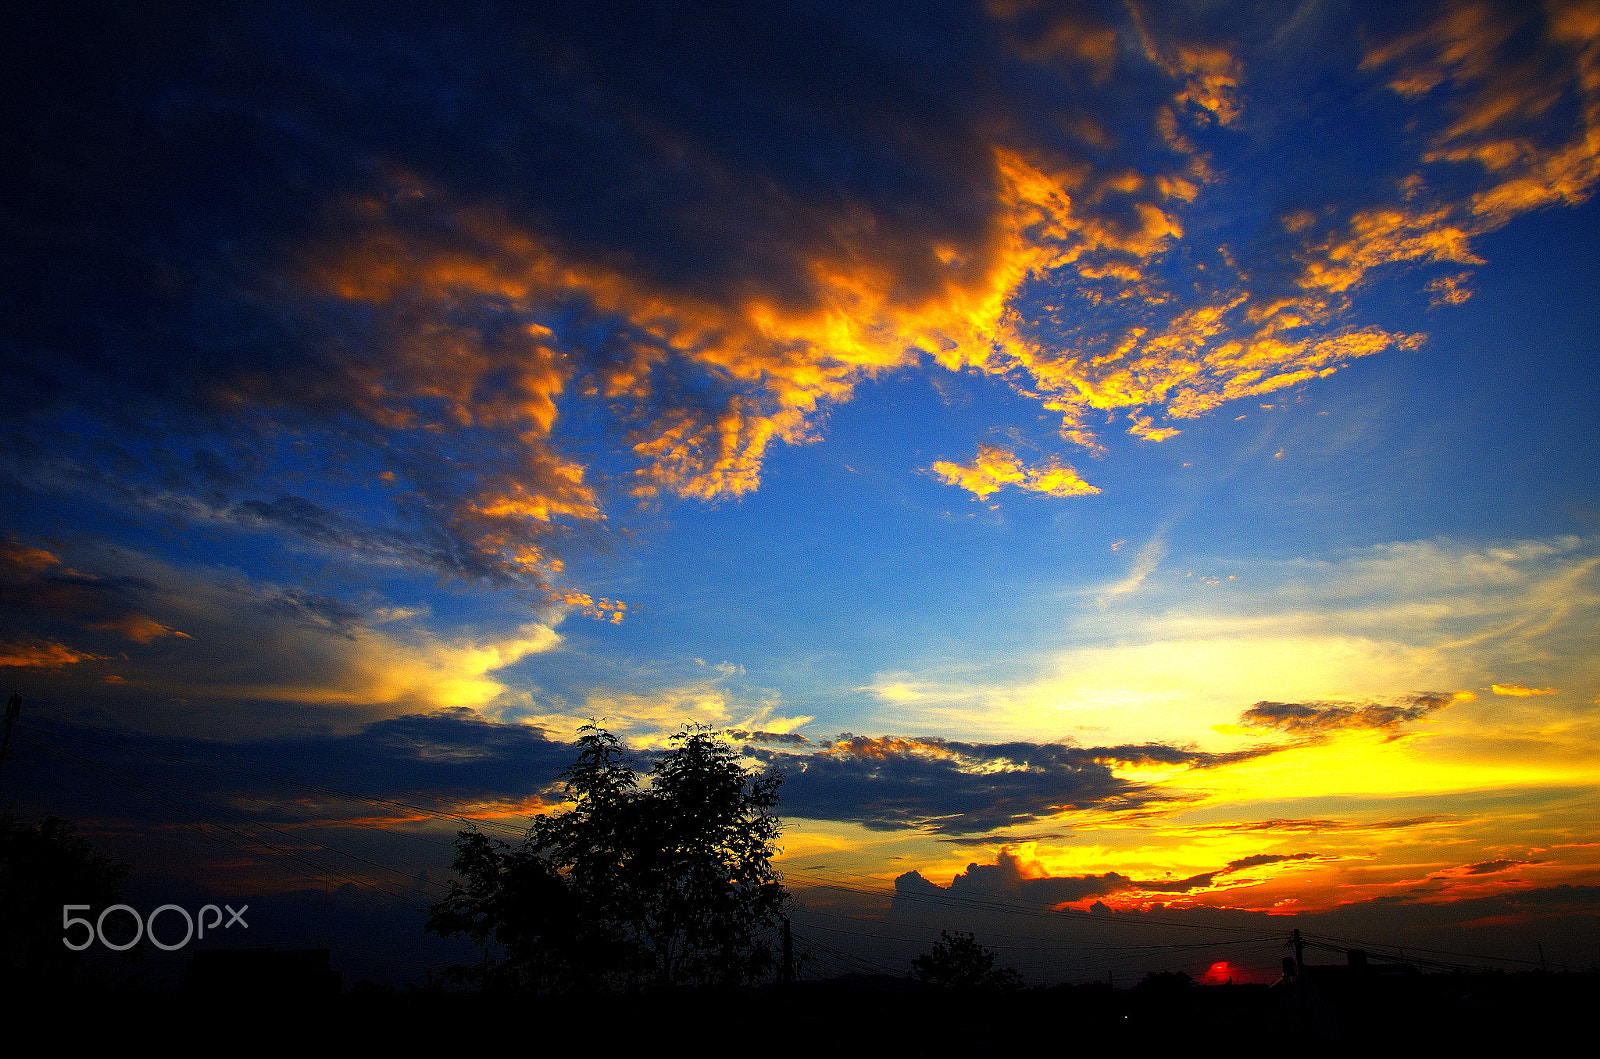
(1117, 460)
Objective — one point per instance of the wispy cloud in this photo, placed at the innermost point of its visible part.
(1379, 625)
(42, 591)
(213, 652)
(1145, 562)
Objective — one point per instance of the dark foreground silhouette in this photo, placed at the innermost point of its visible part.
(629, 886)
(560, 994)
(851, 1015)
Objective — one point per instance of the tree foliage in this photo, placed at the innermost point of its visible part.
(667, 883)
(957, 961)
(43, 866)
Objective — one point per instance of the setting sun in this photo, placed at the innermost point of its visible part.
(1130, 468)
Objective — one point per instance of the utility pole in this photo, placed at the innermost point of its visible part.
(13, 708)
(1299, 953)
(788, 951)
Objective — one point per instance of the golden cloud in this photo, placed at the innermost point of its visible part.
(770, 366)
(611, 610)
(1449, 290)
(1044, 33)
(1143, 428)
(1386, 236)
(994, 468)
(1503, 92)
(651, 717)
(42, 654)
(375, 675)
(22, 559)
(703, 379)
(885, 747)
(33, 581)
(1209, 74)
(139, 628)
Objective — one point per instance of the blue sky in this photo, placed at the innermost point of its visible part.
(1075, 442)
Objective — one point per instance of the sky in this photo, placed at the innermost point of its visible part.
(1130, 466)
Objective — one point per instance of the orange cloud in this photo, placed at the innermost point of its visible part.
(1203, 357)
(771, 365)
(994, 468)
(1501, 91)
(139, 628)
(32, 581)
(1209, 74)
(1142, 428)
(42, 654)
(1449, 290)
(774, 368)
(1044, 33)
(703, 379)
(25, 560)
(885, 747)
(611, 610)
(1385, 236)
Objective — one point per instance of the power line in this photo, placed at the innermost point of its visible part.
(1010, 908)
(1386, 952)
(1103, 950)
(1073, 943)
(317, 788)
(163, 796)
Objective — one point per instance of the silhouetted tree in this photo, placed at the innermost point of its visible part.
(1165, 983)
(669, 883)
(44, 866)
(957, 961)
(1171, 993)
(712, 900)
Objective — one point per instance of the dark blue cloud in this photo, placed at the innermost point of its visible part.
(1317, 718)
(1006, 880)
(959, 788)
(180, 167)
(173, 161)
(451, 762)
